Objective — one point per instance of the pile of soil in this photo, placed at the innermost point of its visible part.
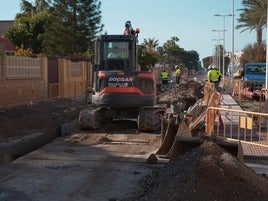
(207, 172)
(182, 95)
(187, 90)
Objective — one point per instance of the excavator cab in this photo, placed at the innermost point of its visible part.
(117, 81)
(115, 52)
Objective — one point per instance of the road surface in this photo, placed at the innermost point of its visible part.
(82, 166)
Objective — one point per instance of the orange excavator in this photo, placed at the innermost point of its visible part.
(120, 90)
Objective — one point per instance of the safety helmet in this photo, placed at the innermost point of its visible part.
(176, 66)
(211, 67)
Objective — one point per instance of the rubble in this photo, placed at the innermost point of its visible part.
(207, 172)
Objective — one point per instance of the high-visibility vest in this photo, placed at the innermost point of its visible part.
(214, 75)
(178, 71)
(164, 75)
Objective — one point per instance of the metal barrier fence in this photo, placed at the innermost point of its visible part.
(237, 89)
(264, 93)
(25, 94)
(209, 89)
(247, 126)
(239, 125)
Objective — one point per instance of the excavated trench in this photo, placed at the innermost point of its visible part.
(15, 147)
(26, 128)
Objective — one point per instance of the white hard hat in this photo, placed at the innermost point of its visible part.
(211, 66)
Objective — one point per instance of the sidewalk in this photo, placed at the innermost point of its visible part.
(250, 151)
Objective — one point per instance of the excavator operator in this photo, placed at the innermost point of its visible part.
(114, 53)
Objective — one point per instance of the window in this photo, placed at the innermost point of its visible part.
(256, 70)
(116, 50)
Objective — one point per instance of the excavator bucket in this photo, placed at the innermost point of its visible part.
(183, 141)
(169, 130)
(177, 138)
(164, 128)
(183, 144)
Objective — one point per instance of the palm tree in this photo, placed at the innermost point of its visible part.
(150, 44)
(253, 17)
(28, 9)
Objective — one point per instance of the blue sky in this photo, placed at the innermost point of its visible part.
(192, 21)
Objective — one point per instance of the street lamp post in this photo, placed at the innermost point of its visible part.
(223, 46)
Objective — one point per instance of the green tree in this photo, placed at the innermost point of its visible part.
(250, 54)
(253, 17)
(147, 53)
(190, 59)
(28, 9)
(72, 26)
(29, 30)
(172, 52)
(150, 44)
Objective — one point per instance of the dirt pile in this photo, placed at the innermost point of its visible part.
(205, 173)
(189, 89)
(185, 93)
